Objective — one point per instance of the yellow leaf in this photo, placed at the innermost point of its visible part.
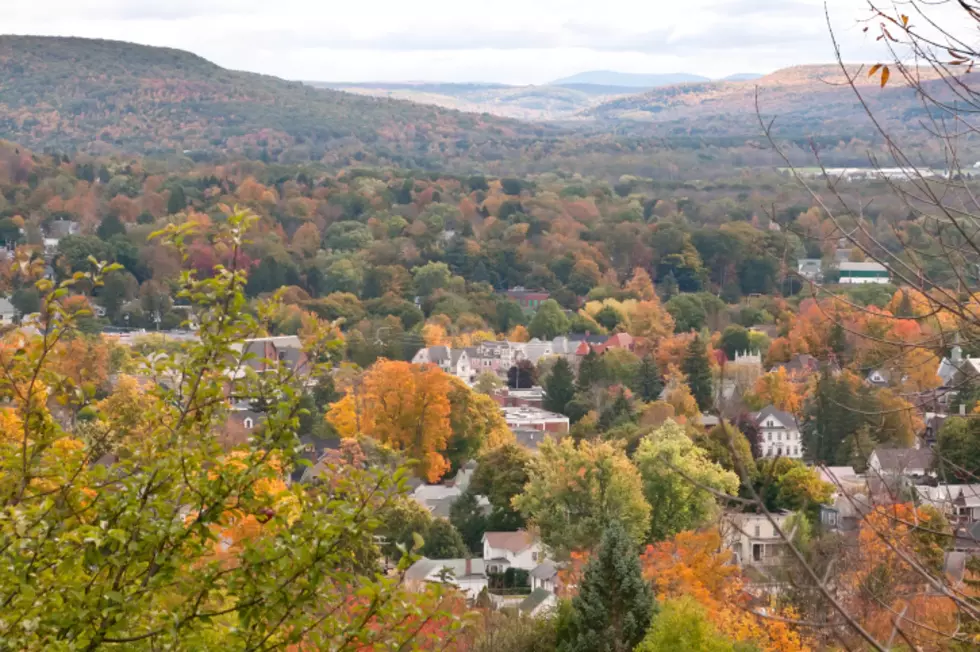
(875, 68)
(884, 76)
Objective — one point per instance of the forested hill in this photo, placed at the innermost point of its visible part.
(807, 100)
(70, 94)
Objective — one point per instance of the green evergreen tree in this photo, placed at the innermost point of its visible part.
(648, 383)
(669, 287)
(614, 605)
(617, 414)
(111, 225)
(468, 518)
(177, 201)
(697, 367)
(560, 387)
(443, 541)
(590, 371)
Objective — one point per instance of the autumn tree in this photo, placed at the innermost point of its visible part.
(549, 321)
(575, 491)
(677, 477)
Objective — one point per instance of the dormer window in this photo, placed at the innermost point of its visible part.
(248, 423)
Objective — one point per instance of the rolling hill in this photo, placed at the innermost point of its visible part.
(69, 94)
(805, 100)
(628, 79)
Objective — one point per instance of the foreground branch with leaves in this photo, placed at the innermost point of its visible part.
(176, 542)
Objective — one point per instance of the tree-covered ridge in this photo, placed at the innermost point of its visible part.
(72, 94)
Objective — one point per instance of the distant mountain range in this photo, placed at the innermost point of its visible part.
(564, 99)
(628, 79)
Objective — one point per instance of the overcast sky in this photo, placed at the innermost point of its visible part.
(512, 41)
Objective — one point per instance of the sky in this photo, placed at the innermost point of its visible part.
(506, 41)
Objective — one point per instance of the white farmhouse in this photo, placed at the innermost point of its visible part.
(503, 550)
(753, 539)
(779, 433)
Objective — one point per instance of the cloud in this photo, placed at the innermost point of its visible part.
(513, 41)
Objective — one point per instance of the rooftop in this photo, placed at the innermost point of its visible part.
(847, 266)
(513, 541)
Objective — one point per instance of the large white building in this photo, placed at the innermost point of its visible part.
(779, 433)
(859, 273)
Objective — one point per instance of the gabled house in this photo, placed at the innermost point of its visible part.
(456, 362)
(959, 502)
(264, 353)
(779, 433)
(800, 366)
(503, 550)
(908, 462)
(7, 312)
(545, 576)
(468, 575)
(753, 539)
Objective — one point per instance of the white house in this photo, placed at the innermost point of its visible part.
(959, 502)
(7, 311)
(545, 576)
(503, 550)
(753, 539)
(909, 462)
(779, 433)
(469, 575)
(455, 362)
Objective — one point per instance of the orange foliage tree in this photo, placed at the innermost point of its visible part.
(404, 406)
(694, 564)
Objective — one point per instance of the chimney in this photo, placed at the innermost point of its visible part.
(956, 353)
(469, 566)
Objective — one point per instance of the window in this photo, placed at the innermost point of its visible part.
(769, 436)
(780, 436)
(248, 423)
(757, 533)
(282, 356)
(534, 556)
(770, 423)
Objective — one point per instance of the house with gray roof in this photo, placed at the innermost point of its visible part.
(456, 362)
(545, 576)
(908, 462)
(540, 602)
(779, 433)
